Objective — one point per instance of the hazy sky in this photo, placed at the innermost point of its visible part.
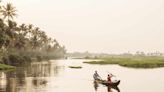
(111, 26)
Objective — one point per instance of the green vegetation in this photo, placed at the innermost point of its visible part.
(133, 61)
(77, 67)
(6, 67)
(25, 42)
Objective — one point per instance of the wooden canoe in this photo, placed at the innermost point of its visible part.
(106, 83)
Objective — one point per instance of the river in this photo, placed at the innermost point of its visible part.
(56, 76)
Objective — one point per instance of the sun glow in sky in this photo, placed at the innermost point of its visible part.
(111, 26)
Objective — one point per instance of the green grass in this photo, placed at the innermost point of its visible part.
(133, 61)
(6, 67)
(76, 67)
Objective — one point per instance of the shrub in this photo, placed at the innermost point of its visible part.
(15, 59)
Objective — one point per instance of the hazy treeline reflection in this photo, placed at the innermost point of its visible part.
(28, 78)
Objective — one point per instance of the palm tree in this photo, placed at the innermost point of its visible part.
(9, 11)
(23, 29)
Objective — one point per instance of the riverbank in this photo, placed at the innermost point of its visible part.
(6, 67)
(18, 58)
(76, 67)
(132, 61)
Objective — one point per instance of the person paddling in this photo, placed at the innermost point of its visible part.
(96, 76)
(109, 78)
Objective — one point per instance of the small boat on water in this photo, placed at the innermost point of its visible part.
(106, 83)
(109, 86)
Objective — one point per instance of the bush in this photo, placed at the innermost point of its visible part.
(5, 60)
(27, 58)
(39, 58)
(16, 59)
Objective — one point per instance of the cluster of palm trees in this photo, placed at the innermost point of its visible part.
(23, 37)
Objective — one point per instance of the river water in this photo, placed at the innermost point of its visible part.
(56, 76)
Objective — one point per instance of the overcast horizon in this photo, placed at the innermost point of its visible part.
(107, 26)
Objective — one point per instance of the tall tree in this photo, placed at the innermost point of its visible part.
(9, 11)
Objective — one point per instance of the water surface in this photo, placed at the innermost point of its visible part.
(56, 76)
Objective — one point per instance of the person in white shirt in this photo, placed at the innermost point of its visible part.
(96, 76)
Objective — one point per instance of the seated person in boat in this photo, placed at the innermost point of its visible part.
(96, 76)
(109, 78)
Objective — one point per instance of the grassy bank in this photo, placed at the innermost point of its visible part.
(6, 67)
(18, 58)
(133, 61)
(76, 67)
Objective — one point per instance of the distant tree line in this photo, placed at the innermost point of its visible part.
(24, 39)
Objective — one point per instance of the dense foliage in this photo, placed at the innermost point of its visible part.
(19, 43)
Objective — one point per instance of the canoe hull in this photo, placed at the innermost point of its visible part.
(111, 84)
(106, 83)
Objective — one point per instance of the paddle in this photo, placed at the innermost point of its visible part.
(111, 74)
(100, 78)
(115, 77)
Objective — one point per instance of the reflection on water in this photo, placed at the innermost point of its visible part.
(96, 85)
(109, 88)
(56, 76)
(25, 79)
